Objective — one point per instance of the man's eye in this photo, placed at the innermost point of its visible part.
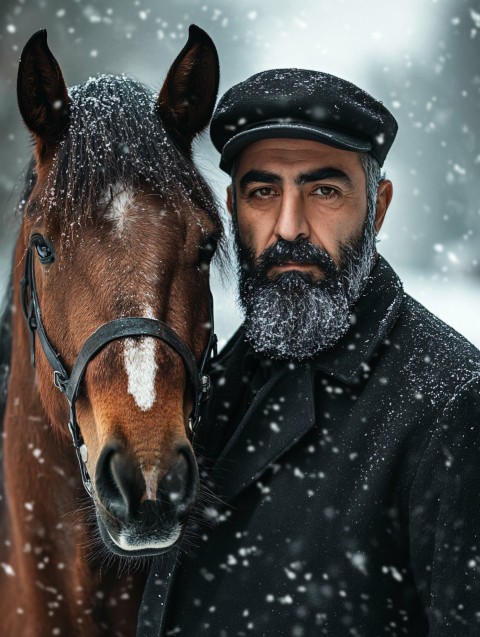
(325, 192)
(265, 192)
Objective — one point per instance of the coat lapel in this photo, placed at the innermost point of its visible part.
(280, 414)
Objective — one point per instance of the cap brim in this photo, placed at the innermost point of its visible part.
(289, 130)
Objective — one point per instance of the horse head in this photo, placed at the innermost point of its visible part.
(119, 225)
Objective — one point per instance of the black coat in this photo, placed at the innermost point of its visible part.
(349, 489)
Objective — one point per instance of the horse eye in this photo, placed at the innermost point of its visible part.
(207, 250)
(44, 250)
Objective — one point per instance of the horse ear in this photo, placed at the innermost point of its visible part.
(41, 92)
(187, 97)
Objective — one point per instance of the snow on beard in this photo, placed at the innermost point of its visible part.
(291, 316)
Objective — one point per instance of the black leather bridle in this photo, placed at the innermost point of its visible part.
(116, 329)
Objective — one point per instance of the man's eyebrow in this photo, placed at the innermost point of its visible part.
(318, 174)
(262, 176)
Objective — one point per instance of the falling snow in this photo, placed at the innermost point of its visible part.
(426, 70)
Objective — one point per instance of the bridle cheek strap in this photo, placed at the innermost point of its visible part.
(114, 330)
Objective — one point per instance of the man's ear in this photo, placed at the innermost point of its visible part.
(230, 199)
(384, 197)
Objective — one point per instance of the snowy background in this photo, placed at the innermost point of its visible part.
(421, 57)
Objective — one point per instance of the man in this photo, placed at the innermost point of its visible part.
(342, 441)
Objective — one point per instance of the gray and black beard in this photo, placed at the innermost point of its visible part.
(291, 316)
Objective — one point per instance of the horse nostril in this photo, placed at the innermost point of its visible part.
(178, 489)
(132, 496)
(119, 483)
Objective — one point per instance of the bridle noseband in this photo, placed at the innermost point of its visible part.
(116, 329)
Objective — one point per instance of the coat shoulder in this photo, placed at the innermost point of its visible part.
(433, 349)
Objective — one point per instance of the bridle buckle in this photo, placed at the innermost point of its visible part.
(206, 387)
(59, 381)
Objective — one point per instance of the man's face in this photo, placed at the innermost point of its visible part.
(304, 242)
(298, 189)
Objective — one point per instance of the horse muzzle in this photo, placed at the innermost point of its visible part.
(143, 512)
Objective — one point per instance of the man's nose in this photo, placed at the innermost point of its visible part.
(292, 223)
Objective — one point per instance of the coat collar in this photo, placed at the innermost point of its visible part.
(372, 319)
(284, 408)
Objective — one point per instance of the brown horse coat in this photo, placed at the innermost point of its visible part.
(118, 221)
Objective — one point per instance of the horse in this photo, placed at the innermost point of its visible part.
(105, 338)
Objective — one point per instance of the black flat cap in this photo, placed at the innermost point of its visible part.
(301, 104)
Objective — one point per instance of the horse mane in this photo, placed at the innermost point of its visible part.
(7, 302)
(5, 348)
(115, 135)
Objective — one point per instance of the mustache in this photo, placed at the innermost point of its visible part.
(300, 251)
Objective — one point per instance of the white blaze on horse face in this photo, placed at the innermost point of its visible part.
(141, 367)
(120, 200)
